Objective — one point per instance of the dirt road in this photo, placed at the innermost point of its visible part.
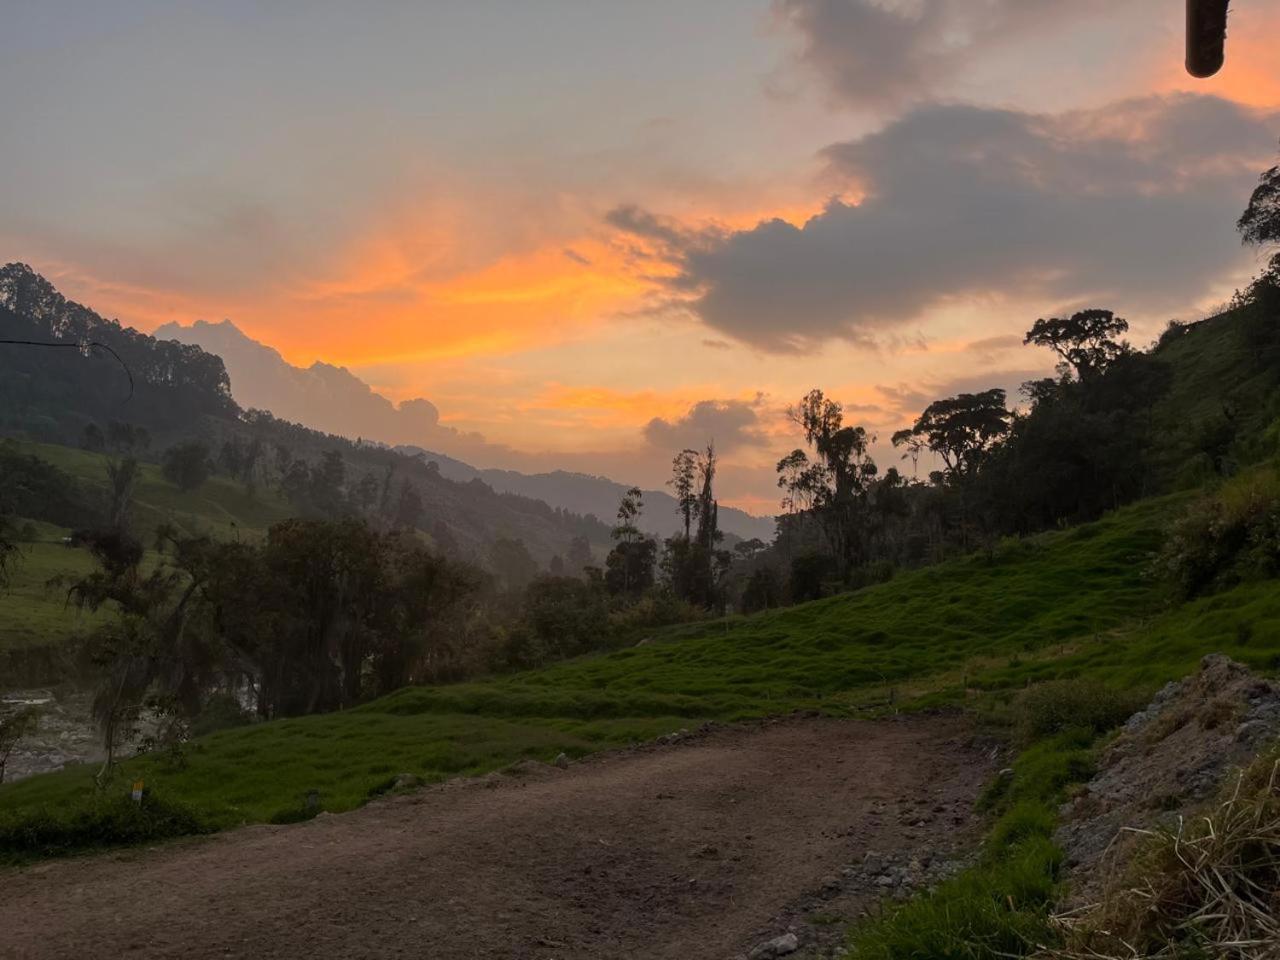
(698, 849)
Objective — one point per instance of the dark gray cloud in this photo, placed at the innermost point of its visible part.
(1130, 206)
(731, 424)
(882, 52)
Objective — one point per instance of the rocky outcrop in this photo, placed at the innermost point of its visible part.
(1168, 760)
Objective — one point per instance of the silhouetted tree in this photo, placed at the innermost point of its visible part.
(959, 429)
(833, 486)
(684, 471)
(1086, 341)
(1259, 225)
(629, 566)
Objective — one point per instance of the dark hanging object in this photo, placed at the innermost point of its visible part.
(1206, 35)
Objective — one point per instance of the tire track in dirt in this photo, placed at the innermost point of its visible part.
(682, 851)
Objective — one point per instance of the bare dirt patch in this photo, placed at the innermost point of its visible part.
(697, 849)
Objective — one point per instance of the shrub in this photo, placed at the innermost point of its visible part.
(99, 822)
(1057, 706)
(1225, 537)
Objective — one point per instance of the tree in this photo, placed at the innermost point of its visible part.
(629, 565)
(763, 590)
(187, 465)
(327, 493)
(512, 563)
(409, 508)
(152, 642)
(684, 469)
(629, 509)
(122, 477)
(959, 429)
(127, 438)
(833, 486)
(579, 556)
(1259, 225)
(693, 564)
(92, 439)
(1085, 341)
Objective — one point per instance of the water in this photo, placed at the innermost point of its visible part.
(65, 731)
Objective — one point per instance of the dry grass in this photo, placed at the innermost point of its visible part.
(1208, 888)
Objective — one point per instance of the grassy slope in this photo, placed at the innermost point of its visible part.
(34, 617)
(1061, 604)
(219, 507)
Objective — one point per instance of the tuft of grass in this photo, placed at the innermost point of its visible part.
(1206, 887)
(1080, 702)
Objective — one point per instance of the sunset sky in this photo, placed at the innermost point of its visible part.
(595, 232)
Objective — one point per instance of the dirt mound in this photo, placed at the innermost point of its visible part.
(1168, 761)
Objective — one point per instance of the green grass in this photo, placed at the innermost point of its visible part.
(220, 507)
(36, 626)
(1070, 604)
(33, 614)
(1000, 906)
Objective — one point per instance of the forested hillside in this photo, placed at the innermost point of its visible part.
(74, 393)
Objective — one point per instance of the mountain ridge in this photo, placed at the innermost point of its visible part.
(330, 397)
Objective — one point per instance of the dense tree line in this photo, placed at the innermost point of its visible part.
(1080, 443)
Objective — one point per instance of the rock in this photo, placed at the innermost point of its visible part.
(405, 781)
(777, 947)
(1169, 758)
(562, 761)
(646, 640)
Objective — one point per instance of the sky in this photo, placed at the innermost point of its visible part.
(591, 234)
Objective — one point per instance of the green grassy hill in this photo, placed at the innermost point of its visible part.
(1072, 603)
(35, 621)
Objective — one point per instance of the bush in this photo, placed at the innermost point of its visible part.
(100, 822)
(1057, 706)
(1230, 535)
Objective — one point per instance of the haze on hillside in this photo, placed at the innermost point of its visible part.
(335, 400)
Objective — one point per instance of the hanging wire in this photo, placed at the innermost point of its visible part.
(86, 348)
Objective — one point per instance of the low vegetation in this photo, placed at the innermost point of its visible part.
(1078, 606)
(1207, 887)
